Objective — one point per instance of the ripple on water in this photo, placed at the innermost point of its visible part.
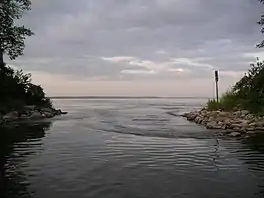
(131, 149)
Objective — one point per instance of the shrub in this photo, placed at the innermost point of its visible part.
(247, 93)
(16, 90)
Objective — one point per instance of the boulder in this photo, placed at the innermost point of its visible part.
(244, 113)
(244, 123)
(260, 129)
(36, 115)
(47, 114)
(235, 126)
(259, 124)
(212, 125)
(234, 134)
(237, 114)
(211, 119)
(30, 107)
(185, 115)
(220, 119)
(250, 128)
(11, 116)
(243, 130)
(224, 114)
(49, 110)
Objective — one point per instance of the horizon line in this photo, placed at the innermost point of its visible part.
(130, 97)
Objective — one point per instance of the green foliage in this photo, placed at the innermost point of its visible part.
(16, 90)
(12, 36)
(213, 105)
(227, 102)
(261, 22)
(247, 93)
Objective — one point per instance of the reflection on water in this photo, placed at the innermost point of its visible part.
(128, 148)
(14, 182)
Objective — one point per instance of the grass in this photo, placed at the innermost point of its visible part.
(227, 102)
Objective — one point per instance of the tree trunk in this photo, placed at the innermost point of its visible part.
(2, 64)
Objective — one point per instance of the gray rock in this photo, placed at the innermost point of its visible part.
(36, 115)
(260, 128)
(235, 126)
(49, 110)
(224, 114)
(11, 116)
(244, 123)
(243, 130)
(212, 125)
(47, 114)
(224, 127)
(250, 128)
(237, 114)
(30, 107)
(211, 119)
(259, 124)
(245, 112)
(185, 115)
(234, 134)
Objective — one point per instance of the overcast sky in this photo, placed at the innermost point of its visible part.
(140, 47)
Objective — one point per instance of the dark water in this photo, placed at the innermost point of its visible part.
(128, 148)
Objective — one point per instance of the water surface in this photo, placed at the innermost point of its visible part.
(128, 148)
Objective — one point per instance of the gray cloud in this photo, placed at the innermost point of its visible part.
(71, 38)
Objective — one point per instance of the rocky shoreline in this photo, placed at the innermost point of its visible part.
(29, 113)
(235, 123)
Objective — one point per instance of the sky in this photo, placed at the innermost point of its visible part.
(139, 47)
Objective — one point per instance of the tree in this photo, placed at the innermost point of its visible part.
(261, 22)
(12, 36)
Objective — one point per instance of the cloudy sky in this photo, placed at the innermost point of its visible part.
(139, 47)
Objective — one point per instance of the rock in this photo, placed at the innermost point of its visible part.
(249, 117)
(235, 126)
(64, 112)
(49, 110)
(212, 125)
(250, 128)
(47, 114)
(237, 114)
(243, 130)
(224, 114)
(234, 134)
(198, 120)
(244, 112)
(185, 115)
(36, 115)
(220, 119)
(244, 123)
(30, 107)
(260, 129)
(24, 117)
(259, 124)
(211, 119)
(11, 116)
(224, 127)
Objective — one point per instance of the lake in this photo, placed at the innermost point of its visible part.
(131, 148)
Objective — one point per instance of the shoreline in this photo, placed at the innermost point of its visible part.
(30, 113)
(235, 123)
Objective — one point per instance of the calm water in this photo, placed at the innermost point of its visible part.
(128, 148)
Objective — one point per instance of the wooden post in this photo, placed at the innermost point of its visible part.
(216, 85)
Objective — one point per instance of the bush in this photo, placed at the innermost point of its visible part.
(247, 93)
(16, 91)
